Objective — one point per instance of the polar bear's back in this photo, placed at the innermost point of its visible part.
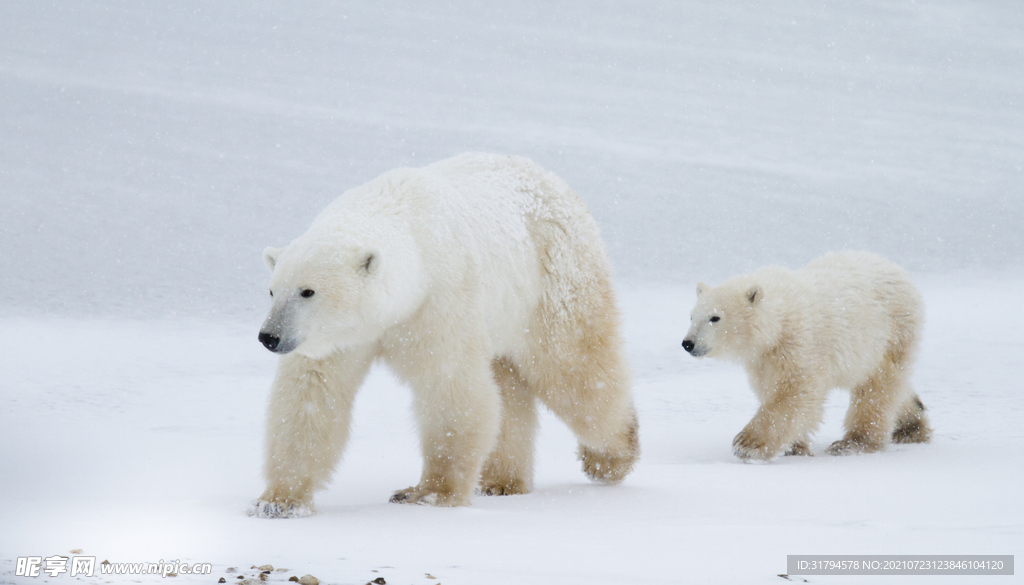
(862, 279)
(508, 194)
(532, 236)
(863, 309)
(513, 199)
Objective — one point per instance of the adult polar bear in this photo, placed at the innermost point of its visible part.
(482, 281)
(847, 320)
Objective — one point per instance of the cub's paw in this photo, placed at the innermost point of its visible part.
(842, 447)
(799, 448)
(852, 445)
(501, 488)
(749, 446)
(424, 497)
(277, 509)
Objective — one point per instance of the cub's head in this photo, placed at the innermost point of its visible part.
(329, 294)
(728, 320)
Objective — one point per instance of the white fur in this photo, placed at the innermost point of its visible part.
(847, 320)
(482, 281)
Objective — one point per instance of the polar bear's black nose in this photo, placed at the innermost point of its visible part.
(269, 341)
(687, 344)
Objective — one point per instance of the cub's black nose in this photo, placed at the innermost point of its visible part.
(687, 344)
(269, 341)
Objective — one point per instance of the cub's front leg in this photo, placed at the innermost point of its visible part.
(307, 428)
(758, 441)
(787, 417)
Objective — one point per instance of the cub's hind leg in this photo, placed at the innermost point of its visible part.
(875, 405)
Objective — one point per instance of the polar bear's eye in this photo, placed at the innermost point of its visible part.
(716, 319)
(271, 293)
(307, 293)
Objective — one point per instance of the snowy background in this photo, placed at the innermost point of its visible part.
(150, 151)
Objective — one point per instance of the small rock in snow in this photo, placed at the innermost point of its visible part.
(308, 580)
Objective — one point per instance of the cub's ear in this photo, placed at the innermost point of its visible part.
(369, 261)
(754, 294)
(270, 256)
(701, 287)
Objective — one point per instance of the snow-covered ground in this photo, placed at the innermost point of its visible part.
(149, 151)
(140, 441)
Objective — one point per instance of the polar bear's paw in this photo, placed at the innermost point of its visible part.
(749, 446)
(799, 448)
(912, 425)
(425, 497)
(843, 447)
(852, 444)
(612, 466)
(502, 488)
(606, 468)
(279, 509)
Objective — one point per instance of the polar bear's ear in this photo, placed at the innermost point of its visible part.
(270, 257)
(369, 261)
(701, 287)
(754, 294)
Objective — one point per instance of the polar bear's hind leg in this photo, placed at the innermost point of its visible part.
(509, 469)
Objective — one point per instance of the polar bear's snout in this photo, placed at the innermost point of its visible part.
(269, 341)
(275, 343)
(278, 332)
(693, 349)
(696, 343)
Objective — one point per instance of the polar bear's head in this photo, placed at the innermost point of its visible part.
(329, 291)
(729, 321)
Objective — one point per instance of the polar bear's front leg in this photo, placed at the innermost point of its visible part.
(457, 410)
(307, 428)
(783, 421)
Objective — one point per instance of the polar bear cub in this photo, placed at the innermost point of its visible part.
(847, 320)
(483, 283)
